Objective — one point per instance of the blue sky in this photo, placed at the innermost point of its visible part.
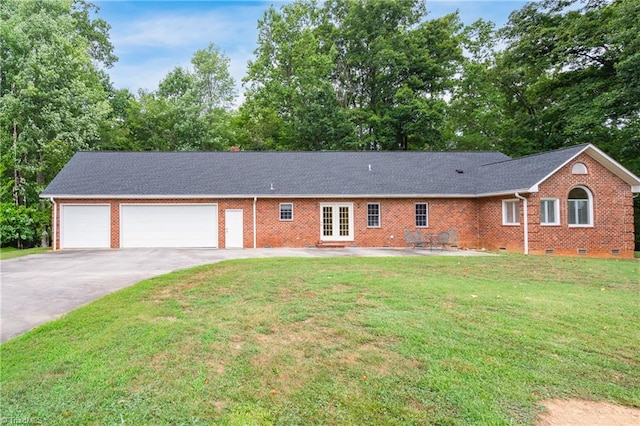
(153, 37)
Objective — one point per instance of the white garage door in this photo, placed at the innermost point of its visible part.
(177, 225)
(85, 226)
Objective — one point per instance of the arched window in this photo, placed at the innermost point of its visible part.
(579, 169)
(580, 207)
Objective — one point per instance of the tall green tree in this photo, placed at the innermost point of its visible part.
(355, 75)
(475, 113)
(213, 84)
(391, 61)
(114, 132)
(52, 96)
(190, 110)
(571, 74)
(289, 85)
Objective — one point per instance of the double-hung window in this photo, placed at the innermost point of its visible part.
(511, 212)
(286, 211)
(549, 211)
(422, 215)
(373, 215)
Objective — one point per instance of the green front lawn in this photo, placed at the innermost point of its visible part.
(426, 340)
(12, 252)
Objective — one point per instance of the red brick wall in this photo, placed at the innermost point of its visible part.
(612, 216)
(612, 213)
(396, 215)
(493, 235)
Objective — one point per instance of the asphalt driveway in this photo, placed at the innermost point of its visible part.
(39, 288)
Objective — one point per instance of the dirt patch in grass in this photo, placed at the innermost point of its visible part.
(579, 412)
(290, 356)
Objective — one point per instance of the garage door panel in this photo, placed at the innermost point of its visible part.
(85, 226)
(169, 226)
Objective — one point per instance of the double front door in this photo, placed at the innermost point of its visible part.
(336, 221)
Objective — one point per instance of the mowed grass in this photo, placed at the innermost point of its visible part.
(12, 252)
(415, 340)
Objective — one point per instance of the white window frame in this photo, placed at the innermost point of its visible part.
(280, 211)
(556, 212)
(415, 212)
(511, 206)
(336, 222)
(579, 169)
(376, 216)
(570, 206)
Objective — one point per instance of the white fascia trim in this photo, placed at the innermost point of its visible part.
(635, 188)
(509, 192)
(262, 196)
(614, 167)
(371, 196)
(140, 197)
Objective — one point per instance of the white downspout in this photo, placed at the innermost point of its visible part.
(526, 222)
(633, 243)
(255, 232)
(54, 225)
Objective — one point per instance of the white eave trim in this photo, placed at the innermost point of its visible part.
(244, 196)
(508, 192)
(615, 167)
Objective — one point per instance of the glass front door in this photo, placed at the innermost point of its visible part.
(337, 221)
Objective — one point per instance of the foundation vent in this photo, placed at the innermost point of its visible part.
(615, 252)
(582, 251)
(502, 248)
(548, 251)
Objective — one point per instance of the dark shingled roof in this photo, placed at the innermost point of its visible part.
(327, 173)
(523, 173)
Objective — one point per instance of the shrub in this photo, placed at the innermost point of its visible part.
(21, 226)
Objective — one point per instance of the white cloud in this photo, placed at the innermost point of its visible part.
(182, 29)
(152, 45)
(145, 74)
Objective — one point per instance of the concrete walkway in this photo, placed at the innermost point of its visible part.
(39, 288)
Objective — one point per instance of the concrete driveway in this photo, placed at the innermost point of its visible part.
(39, 288)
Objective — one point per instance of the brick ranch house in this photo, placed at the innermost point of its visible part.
(573, 201)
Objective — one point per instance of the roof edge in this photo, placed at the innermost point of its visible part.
(554, 171)
(244, 196)
(609, 163)
(614, 167)
(507, 192)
